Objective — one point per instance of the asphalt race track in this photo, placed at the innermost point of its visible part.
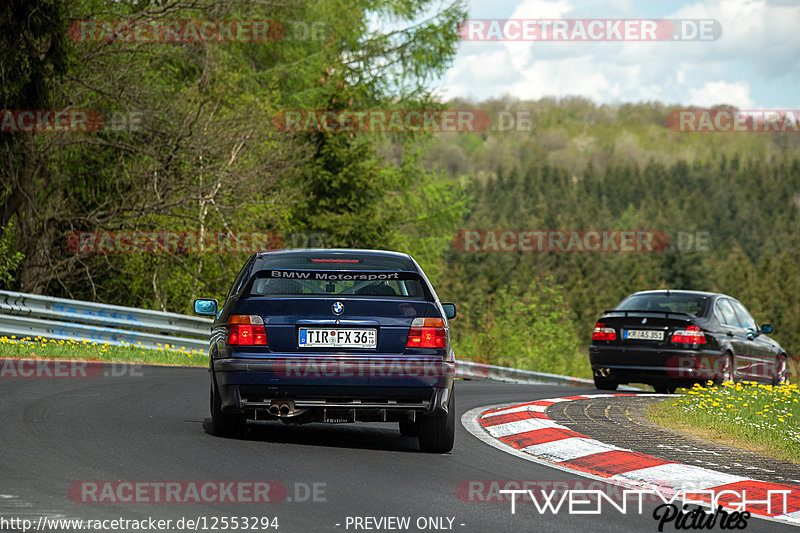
(150, 425)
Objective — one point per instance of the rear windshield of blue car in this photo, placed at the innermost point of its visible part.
(343, 275)
(674, 303)
(335, 261)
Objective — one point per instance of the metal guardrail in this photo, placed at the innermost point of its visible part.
(31, 315)
(470, 370)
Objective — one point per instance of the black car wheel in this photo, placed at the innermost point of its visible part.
(725, 370)
(605, 384)
(225, 424)
(781, 371)
(665, 388)
(409, 428)
(437, 432)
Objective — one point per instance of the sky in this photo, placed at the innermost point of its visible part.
(754, 64)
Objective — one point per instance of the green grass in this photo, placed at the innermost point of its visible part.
(751, 416)
(28, 348)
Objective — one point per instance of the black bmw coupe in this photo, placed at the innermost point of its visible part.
(669, 338)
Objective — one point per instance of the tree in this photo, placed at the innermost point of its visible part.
(34, 54)
(203, 155)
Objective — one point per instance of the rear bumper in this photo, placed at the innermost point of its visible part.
(642, 365)
(396, 384)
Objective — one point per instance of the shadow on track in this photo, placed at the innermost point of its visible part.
(355, 436)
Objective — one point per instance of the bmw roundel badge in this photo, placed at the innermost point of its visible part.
(644, 321)
(337, 308)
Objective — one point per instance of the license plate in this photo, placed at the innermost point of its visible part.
(337, 338)
(643, 334)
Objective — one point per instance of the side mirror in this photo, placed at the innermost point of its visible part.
(766, 328)
(449, 310)
(206, 307)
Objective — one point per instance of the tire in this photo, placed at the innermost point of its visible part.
(725, 372)
(605, 384)
(664, 388)
(781, 371)
(409, 428)
(225, 424)
(437, 432)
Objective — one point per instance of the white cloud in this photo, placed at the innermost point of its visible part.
(541, 9)
(720, 92)
(520, 52)
(753, 31)
(759, 49)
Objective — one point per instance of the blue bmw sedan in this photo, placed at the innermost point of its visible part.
(333, 336)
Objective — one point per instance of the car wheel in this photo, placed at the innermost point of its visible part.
(437, 432)
(664, 388)
(605, 384)
(781, 371)
(725, 370)
(409, 428)
(225, 424)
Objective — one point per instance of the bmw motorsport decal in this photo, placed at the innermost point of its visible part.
(339, 275)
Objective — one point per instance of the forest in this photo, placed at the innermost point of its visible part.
(189, 145)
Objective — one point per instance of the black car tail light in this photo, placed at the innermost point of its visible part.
(602, 333)
(690, 335)
(427, 333)
(246, 330)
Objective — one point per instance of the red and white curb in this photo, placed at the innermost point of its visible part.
(524, 430)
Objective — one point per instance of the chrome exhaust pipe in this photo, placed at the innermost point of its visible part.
(602, 372)
(284, 409)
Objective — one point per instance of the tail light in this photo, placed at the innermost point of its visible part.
(246, 330)
(690, 335)
(602, 333)
(427, 333)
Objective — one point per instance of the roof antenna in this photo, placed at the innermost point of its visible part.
(667, 293)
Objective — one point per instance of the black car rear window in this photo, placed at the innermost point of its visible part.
(673, 303)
